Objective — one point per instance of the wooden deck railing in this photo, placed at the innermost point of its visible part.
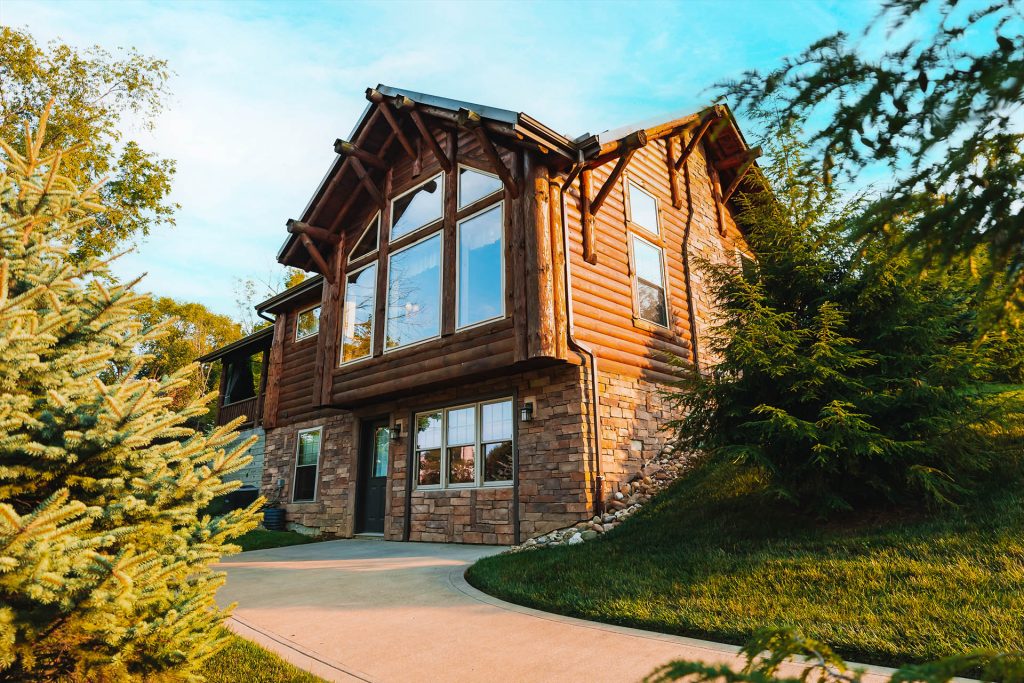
(249, 407)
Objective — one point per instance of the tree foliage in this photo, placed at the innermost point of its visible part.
(787, 655)
(105, 564)
(941, 108)
(848, 379)
(192, 331)
(96, 95)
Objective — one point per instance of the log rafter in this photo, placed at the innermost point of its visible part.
(384, 107)
(346, 148)
(471, 120)
(317, 257)
(403, 103)
(298, 227)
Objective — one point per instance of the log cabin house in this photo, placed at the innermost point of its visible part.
(480, 353)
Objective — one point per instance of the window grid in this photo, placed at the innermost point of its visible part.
(480, 445)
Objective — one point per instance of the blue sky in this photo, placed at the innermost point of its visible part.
(262, 90)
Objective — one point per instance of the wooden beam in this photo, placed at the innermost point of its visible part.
(382, 104)
(694, 141)
(673, 174)
(274, 368)
(589, 230)
(617, 148)
(716, 193)
(317, 257)
(346, 148)
(606, 189)
(739, 177)
(298, 227)
(471, 120)
(367, 182)
(404, 103)
(738, 159)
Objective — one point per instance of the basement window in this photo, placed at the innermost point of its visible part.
(307, 461)
(465, 446)
(649, 282)
(417, 208)
(308, 323)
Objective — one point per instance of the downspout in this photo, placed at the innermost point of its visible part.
(686, 270)
(579, 346)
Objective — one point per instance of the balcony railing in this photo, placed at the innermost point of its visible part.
(250, 407)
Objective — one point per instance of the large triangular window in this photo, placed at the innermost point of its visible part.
(475, 185)
(367, 243)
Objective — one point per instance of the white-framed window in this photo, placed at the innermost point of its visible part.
(649, 281)
(414, 293)
(475, 184)
(358, 313)
(643, 209)
(480, 279)
(307, 323)
(464, 446)
(417, 207)
(367, 242)
(307, 464)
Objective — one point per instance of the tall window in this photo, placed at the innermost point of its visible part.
(307, 460)
(418, 207)
(468, 445)
(481, 277)
(643, 208)
(649, 282)
(308, 323)
(414, 293)
(357, 313)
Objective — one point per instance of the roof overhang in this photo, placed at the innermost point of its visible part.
(254, 343)
(308, 290)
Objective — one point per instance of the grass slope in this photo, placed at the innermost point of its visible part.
(245, 661)
(714, 558)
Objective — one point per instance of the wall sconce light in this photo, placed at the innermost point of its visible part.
(396, 431)
(526, 412)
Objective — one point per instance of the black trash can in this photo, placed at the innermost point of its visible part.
(273, 519)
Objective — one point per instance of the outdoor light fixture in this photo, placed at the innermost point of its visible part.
(526, 412)
(396, 430)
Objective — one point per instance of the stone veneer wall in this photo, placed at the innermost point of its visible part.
(556, 467)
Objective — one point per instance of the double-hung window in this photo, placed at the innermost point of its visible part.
(468, 445)
(649, 282)
(307, 462)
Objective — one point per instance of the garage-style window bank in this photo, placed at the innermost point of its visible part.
(468, 445)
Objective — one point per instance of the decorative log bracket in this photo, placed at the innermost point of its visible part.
(471, 120)
(367, 182)
(403, 103)
(346, 148)
(745, 164)
(303, 230)
(377, 98)
(630, 144)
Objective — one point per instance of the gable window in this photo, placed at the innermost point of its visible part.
(481, 274)
(418, 207)
(357, 313)
(414, 293)
(308, 323)
(468, 445)
(649, 282)
(367, 242)
(307, 461)
(643, 208)
(475, 185)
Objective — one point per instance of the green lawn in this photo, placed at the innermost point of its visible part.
(714, 558)
(244, 661)
(260, 539)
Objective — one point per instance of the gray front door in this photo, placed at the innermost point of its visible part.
(374, 446)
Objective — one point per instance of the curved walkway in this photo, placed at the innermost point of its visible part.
(363, 610)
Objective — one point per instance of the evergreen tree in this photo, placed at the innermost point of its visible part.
(845, 377)
(105, 565)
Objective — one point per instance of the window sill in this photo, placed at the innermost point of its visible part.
(464, 487)
(647, 325)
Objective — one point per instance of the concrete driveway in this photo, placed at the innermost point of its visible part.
(382, 611)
